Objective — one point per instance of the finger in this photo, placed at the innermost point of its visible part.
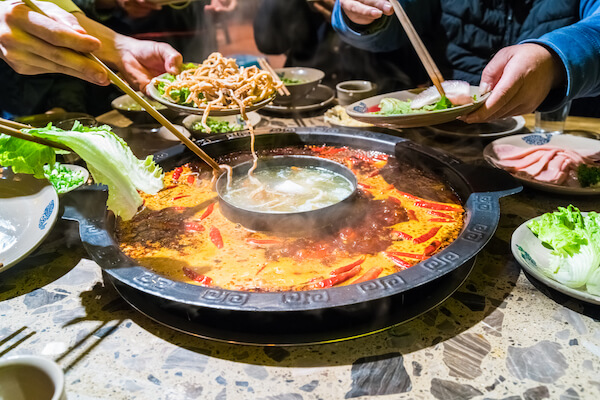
(364, 9)
(59, 34)
(40, 65)
(503, 93)
(493, 71)
(172, 58)
(58, 57)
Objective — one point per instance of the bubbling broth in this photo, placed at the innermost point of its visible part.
(284, 189)
(400, 216)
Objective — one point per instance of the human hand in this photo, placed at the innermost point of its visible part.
(364, 12)
(32, 43)
(221, 5)
(141, 60)
(138, 8)
(521, 77)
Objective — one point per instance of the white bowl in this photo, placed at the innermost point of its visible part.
(31, 378)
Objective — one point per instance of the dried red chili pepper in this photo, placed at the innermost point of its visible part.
(348, 267)
(433, 246)
(170, 187)
(336, 279)
(215, 237)
(333, 150)
(262, 242)
(177, 173)
(398, 261)
(373, 174)
(180, 197)
(412, 215)
(370, 274)
(381, 157)
(364, 186)
(402, 235)
(438, 214)
(436, 206)
(203, 279)
(191, 179)
(193, 226)
(208, 211)
(410, 196)
(425, 237)
(403, 254)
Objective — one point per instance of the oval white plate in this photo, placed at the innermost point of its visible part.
(532, 255)
(253, 117)
(497, 128)
(570, 142)
(28, 210)
(155, 95)
(360, 111)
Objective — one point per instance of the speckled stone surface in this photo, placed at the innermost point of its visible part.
(497, 337)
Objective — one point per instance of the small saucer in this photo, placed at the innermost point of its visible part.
(321, 97)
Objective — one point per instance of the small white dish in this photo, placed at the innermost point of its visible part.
(532, 255)
(76, 168)
(191, 120)
(31, 378)
(361, 110)
(28, 211)
(570, 142)
(492, 129)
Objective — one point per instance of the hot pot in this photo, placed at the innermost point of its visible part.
(286, 318)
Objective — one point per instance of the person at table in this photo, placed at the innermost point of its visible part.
(33, 44)
(542, 53)
(303, 32)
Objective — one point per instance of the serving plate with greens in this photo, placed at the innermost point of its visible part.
(155, 93)
(563, 253)
(396, 111)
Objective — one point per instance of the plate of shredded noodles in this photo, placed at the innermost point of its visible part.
(217, 87)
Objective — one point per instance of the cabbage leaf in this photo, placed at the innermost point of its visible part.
(25, 157)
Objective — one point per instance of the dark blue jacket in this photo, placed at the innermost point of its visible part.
(463, 35)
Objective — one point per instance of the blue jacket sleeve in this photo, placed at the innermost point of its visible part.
(384, 34)
(578, 47)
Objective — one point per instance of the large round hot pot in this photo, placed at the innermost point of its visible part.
(308, 316)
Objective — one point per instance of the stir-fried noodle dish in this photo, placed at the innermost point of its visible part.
(218, 84)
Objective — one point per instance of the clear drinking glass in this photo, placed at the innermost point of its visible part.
(552, 122)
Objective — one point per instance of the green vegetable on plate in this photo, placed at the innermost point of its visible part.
(217, 126)
(574, 239)
(392, 106)
(588, 176)
(109, 160)
(62, 178)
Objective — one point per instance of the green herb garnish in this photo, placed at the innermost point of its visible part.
(62, 178)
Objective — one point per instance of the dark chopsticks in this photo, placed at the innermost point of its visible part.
(415, 40)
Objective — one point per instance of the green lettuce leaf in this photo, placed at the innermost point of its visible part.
(111, 162)
(392, 106)
(575, 243)
(24, 156)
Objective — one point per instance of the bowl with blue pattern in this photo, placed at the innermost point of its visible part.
(28, 211)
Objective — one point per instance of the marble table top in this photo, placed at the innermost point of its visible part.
(497, 337)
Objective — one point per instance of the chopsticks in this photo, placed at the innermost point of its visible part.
(12, 128)
(124, 86)
(415, 40)
(264, 64)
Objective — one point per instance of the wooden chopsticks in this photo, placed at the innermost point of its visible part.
(415, 40)
(124, 86)
(12, 128)
(264, 64)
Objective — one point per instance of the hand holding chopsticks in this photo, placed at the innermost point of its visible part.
(415, 40)
(121, 84)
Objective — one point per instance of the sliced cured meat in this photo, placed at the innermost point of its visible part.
(538, 166)
(556, 169)
(520, 163)
(512, 152)
(458, 92)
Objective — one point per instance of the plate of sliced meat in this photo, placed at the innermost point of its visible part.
(557, 163)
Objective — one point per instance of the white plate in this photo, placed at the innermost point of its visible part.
(321, 97)
(497, 128)
(253, 117)
(28, 210)
(569, 142)
(360, 111)
(155, 95)
(532, 255)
